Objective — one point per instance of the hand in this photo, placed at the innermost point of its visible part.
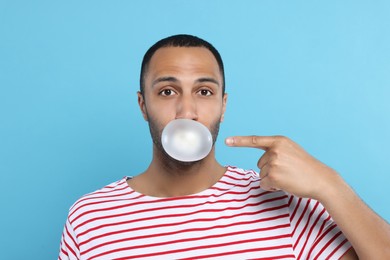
(286, 166)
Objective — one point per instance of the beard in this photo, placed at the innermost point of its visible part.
(156, 133)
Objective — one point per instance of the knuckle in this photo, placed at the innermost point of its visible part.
(274, 177)
(273, 164)
(263, 174)
(281, 139)
(254, 139)
(260, 164)
(275, 151)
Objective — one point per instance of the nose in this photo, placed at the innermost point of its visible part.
(186, 108)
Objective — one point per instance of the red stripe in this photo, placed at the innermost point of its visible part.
(324, 223)
(116, 188)
(175, 207)
(149, 202)
(338, 247)
(327, 244)
(64, 252)
(290, 200)
(192, 197)
(113, 188)
(239, 178)
(274, 257)
(187, 239)
(202, 247)
(178, 223)
(164, 216)
(126, 194)
(232, 192)
(233, 169)
(219, 189)
(231, 184)
(102, 202)
(90, 195)
(330, 228)
(301, 217)
(310, 232)
(184, 214)
(87, 197)
(113, 185)
(245, 251)
(71, 237)
(322, 235)
(70, 249)
(295, 209)
(166, 207)
(307, 224)
(62, 246)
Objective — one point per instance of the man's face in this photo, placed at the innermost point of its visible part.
(182, 82)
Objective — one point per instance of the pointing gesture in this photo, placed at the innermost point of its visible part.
(286, 166)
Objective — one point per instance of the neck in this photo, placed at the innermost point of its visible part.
(167, 177)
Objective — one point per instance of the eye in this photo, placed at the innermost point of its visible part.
(205, 92)
(166, 92)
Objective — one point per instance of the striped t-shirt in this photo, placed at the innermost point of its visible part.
(233, 219)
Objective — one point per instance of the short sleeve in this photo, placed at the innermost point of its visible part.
(69, 249)
(315, 235)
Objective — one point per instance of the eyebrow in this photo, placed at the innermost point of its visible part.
(212, 80)
(164, 79)
(175, 80)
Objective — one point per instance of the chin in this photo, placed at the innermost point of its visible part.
(176, 163)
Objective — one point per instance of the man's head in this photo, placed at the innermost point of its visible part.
(181, 77)
(179, 40)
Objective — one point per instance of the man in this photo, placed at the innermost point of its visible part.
(193, 210)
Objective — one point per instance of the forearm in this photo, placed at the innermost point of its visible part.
(368, 233)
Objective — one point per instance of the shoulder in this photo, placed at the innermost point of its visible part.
(112, 192)
(249, 182)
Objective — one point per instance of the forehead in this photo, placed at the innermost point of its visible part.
(176, 60)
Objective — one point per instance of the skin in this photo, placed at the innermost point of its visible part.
(187, 83)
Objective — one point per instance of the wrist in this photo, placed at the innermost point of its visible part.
(331, 188)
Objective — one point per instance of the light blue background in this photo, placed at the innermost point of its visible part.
(316, 71)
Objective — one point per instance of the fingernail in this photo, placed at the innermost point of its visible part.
(229, 141)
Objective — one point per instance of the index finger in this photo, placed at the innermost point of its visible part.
(254, 141)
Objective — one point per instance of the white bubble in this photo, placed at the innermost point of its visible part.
(186, 140)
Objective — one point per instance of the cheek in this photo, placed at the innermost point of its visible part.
(210, 110)
(161, 114)
(159, 108)
(210, 115)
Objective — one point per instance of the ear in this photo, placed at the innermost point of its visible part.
(224, 102)
(142, 106)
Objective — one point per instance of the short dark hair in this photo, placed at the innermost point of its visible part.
(179, 40)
